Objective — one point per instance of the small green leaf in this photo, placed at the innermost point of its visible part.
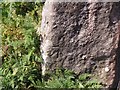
(15, 70)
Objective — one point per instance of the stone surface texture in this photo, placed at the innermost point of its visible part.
(83, 37)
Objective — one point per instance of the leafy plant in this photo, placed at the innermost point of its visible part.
(20, 67)
(63, 78)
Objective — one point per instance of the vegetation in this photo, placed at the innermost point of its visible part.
(21, 56)
(20, 44)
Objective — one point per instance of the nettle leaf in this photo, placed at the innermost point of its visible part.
(30, 53)
(16, 44)
(84, 76)
(80, 85)
(92, 83)
(21, 78)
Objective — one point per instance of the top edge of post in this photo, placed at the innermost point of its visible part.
(60, 0)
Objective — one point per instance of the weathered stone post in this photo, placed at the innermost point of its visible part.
(83, 37)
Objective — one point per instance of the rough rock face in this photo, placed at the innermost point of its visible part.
(83, 37)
